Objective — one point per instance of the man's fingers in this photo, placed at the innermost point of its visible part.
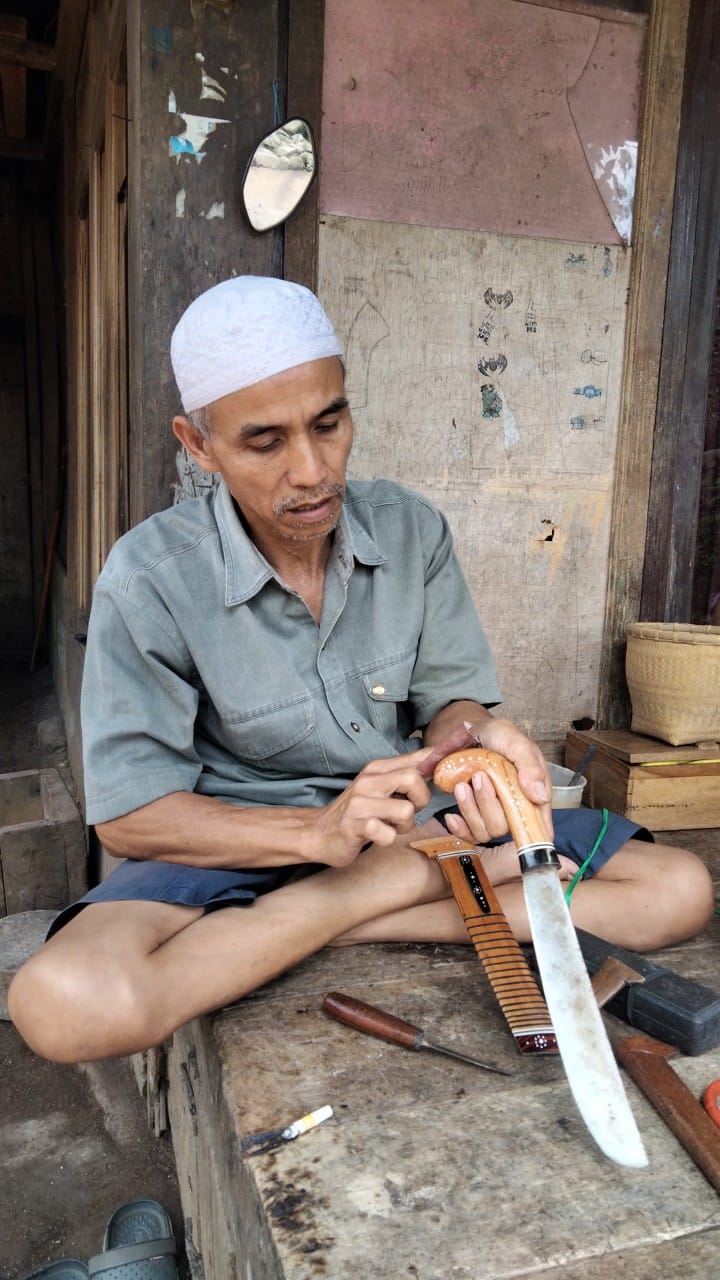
(454, 741)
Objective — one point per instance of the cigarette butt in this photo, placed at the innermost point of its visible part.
(270, 1139)
(310, 1121)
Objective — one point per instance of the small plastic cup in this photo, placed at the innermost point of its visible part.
(563, 795)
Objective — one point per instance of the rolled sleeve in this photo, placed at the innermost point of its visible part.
(138, 710)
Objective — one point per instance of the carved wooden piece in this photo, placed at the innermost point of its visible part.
(611, 977)
(645, 1060)
(508, 972)
(526, 823)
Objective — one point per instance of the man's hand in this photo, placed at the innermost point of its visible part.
(379, 805)
(483, 817)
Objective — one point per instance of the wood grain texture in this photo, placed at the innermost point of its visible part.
(186, 228)
(657, 159)
(304, 98)
(690, 317)
(646, 1061)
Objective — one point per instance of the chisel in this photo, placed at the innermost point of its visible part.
(376, 1022)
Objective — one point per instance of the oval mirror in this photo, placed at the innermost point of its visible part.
(279, 173)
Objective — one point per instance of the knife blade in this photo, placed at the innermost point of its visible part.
(585, 1050)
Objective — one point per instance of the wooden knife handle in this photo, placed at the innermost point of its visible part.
(525, 821)
(497, 948)
(376, 1022)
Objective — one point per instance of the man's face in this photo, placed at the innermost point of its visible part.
(282, 446)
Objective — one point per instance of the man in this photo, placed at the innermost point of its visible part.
(258, 662)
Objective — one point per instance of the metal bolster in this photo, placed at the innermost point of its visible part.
(535, 856)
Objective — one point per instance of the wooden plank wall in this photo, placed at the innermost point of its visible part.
(662, 94)
(689, 328)
(200, 98)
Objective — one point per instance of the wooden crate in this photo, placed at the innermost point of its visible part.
(662, 787)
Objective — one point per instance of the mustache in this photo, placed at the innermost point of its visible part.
(309, 496)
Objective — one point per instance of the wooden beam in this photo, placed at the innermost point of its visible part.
(60, 114)
(690, 312)
(304, 98)
(17, 52)
(652, 223)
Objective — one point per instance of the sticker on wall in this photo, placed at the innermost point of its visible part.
(492, 364)
(491, 402)
(499, 301)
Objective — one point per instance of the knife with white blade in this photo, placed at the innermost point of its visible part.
(585, 1050)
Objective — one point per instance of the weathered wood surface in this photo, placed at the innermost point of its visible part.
(484, 372)
(428, 1167)
(200, 98)
(689, 326)
(304, 98)
(653, 218)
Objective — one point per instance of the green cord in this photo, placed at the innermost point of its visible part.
(581, 870)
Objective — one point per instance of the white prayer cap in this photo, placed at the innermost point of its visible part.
(244, 330)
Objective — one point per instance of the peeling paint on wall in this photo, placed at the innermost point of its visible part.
(197, 132)
(180, 203)
(614, 170)
(216, 210)
(209, 87)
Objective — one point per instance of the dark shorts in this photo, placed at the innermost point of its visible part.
(575, 833)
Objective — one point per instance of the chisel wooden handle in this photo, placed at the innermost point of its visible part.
(525, 820)
(355, 1013)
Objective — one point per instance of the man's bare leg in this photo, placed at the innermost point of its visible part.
(647, 896)
(121, 976)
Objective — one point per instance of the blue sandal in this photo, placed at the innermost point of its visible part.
(139, 1244)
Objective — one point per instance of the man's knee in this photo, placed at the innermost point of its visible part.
(683, 893)
(69, 1010)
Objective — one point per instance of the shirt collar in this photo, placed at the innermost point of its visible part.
(247, 570)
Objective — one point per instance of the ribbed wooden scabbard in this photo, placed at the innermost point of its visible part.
(507, 970)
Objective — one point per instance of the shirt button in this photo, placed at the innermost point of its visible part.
(378, 690)
(354, 725)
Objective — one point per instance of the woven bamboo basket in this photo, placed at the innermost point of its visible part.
(673, 674)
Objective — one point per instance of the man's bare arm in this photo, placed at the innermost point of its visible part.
(379, 805)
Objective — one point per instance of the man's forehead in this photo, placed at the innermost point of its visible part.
(309, 390)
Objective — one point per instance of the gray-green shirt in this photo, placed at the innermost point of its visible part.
(205, 672)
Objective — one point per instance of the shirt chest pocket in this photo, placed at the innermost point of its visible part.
(386, 690)
(275, 735)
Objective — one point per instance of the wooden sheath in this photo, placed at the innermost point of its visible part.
(646, 1060)
(507, 970)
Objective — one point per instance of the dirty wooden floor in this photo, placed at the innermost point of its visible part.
(429, 1169)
